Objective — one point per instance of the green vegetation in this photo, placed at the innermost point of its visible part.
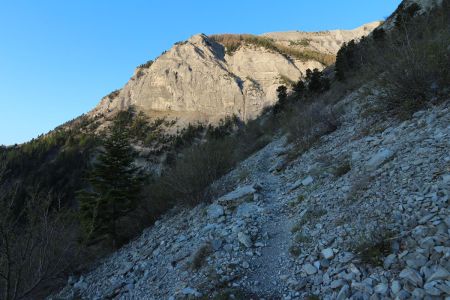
(303, 42)
(373, 248)
(146, 65)
(114, 184)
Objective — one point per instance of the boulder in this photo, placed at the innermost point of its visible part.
(215, 211)
(237, 196)
(246, 210)
(244, 239)
(327, 253)
(379, 158)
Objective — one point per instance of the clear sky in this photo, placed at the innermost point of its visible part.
(58, 58)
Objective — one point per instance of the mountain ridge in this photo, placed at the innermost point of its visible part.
(242, 82)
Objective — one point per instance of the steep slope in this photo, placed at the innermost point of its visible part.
(240, 82)
(304, 230)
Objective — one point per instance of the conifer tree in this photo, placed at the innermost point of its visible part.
(114, 184)
(282, 99)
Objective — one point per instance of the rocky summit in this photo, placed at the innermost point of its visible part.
(241, 82)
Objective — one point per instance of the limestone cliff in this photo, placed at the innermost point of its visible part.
(200, 80)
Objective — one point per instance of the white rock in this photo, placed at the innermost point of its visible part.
(381, 288)
(412, 276)
(245, 239)
(237, 196)
(327, 253)
(215, 211)
(309, 269)
(307, 181)
(379, 158)
(440, 274)
(247, 210)
(396, 287)
(191, 292)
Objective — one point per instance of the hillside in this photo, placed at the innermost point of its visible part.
(296, 232)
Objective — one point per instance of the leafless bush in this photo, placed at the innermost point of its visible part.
(359, 184)
(37, 244)
(195, 170)
(305, 124)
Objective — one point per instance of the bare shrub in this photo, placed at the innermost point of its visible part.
(197, 168)
(305, 124)
(37, 244)
(359, 185)
(200, 256)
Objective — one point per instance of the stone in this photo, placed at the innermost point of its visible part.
(297, 285)
(411, 276)
(214, 211)
(245, 239)
(426, 218)
(309, 269)
(238, 196)
(418, 293)
(439, 274)
(337, 283)
(245, 265)
(327, 253)
(431, 289)
(416, 260)
(381, 288)
(395, 287)
(188, 291)
(216, 244)
(389, 261)
(346, 257)
(307, 181)
(246, 210)
(403, 295)
(379, 158)
(344, 293)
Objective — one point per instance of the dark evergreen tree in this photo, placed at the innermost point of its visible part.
(282, 99)
(114, 184)
(405, 14)
(316, 82)
(299, 88)
(379, 34)
(345, 60)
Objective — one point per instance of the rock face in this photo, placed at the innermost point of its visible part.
(197, 80)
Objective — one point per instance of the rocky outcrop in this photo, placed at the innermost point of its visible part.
(198, 80)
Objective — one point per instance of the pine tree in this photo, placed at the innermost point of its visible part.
(282, 99)
(299, 87)
(316, 81)
(114, 184)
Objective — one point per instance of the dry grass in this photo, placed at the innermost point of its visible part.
(232, 42)
(200, 256)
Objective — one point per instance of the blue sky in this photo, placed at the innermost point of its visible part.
(58, 58)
